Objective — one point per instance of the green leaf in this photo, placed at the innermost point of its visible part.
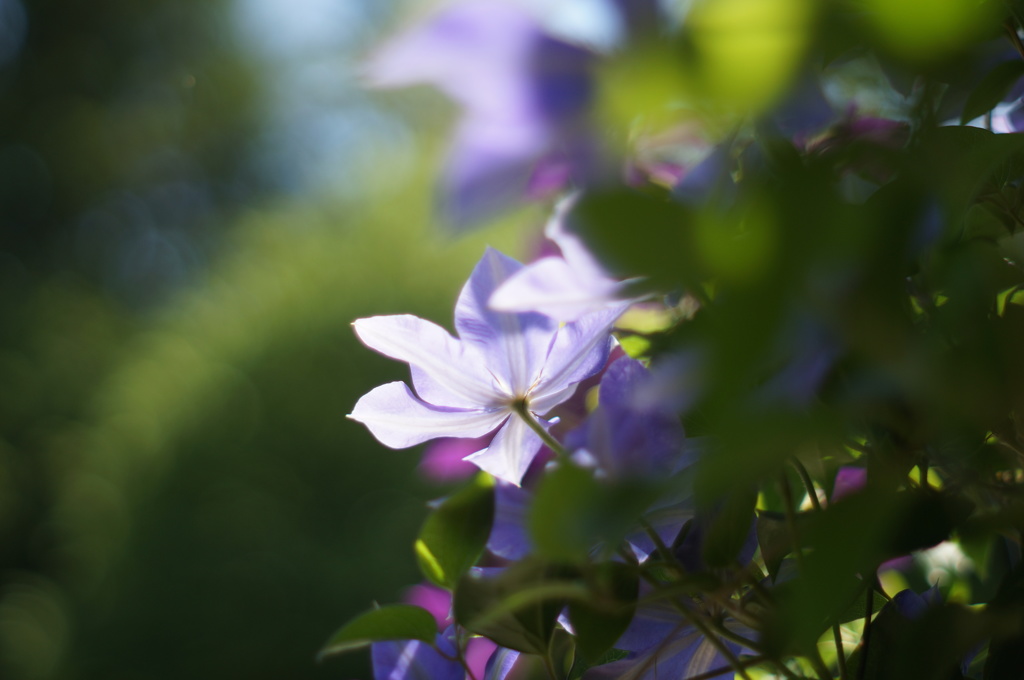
(516, 609)
(992, 89)
(393, 622)
(730, 527)
(572, 512)
(775, 540)
(603, 617)
(455, 534)
(581, 666)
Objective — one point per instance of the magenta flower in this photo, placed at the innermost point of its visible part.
(502, 369)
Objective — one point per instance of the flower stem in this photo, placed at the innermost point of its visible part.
(523, 411)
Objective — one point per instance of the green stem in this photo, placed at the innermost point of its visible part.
(523, 411)
(659, 544)
(812, 493)
(865, 637)
(709, 632)
(787, 495)
(805, 477)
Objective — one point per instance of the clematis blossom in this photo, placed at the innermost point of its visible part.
(502, 369)
(567, 287)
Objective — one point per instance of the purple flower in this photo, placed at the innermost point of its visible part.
(632, 432)
(416, 660)
(566, 287)
(663, 644)
(522, 92)
(475, 384)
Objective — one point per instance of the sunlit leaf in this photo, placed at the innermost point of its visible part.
(393, 622)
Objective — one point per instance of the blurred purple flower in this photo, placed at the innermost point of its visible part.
(472, 385)
(444, 459)
(435, 600)
(663, 644)
(631, 432)
(509, 537)
(416, 660)
(567, 287)
(849, 480)
(523, 94)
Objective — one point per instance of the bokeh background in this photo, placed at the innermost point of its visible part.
(196, 199)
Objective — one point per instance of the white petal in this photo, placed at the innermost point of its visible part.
(398, 419)
(552, 287)
(510, 453)
(580, 350)
(455, 373)
(513, 346)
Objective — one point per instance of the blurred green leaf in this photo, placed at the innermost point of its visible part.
(775, 540)
(992, 89)
(517, 608)
(572, 512)
(603, 617)
(455, 534)
(730, 527)
(393, 622)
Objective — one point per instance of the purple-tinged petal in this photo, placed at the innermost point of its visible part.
(414, 660)
(509, 537)
(629, 434)
(501, 664)
(849, 480)
(435, 600)
(513, 346)
(398, 419)
(510, 452)
(433, 353)
(474, 51)
(580, 350)
(490, 166)
(443, 459)
(665, 645)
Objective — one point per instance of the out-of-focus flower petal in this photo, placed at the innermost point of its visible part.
(398, 419)
(443, 459)
(501, 663)
(849, 480)
(414, 660)
(509, 537)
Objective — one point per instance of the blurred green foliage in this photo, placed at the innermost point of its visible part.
(180, 493)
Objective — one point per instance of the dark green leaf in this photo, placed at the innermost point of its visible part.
(992, 89)
(604, 615)
(730, 527)
(455, 534)
(572, 513)
(517, 609)
(393, 622)
(581, 666)
(775, 540)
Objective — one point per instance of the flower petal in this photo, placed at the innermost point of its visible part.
(398, 419)
(512, 346)
(445, 372)
(414, 660)
(551, 286)
(510, 453)
(579, 351)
